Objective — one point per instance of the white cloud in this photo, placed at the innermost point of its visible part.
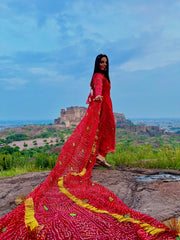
(156, 54)
(129, 21)
(111, 22)
(43, 72)
(21, 32)
(13, 83)
(50, 76)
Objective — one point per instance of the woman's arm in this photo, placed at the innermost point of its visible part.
(98, 85)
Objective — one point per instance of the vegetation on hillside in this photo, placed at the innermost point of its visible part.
(132, 149)
(45, 132)
(13, 161)
(145, 156)
(14, 137)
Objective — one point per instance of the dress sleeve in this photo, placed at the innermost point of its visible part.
(98, 84)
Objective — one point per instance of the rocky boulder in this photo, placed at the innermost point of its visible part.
(158, 197)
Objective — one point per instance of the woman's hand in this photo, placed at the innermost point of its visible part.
(98, 98)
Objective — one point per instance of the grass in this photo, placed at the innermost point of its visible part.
(145, 156)
(127, 154)
(16, 171)
(132, 150)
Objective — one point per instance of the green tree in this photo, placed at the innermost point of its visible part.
(35, 143)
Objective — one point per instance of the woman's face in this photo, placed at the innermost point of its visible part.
(103, 64)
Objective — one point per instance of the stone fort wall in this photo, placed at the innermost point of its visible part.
(72, 116)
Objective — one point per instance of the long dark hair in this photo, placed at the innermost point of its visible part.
(97, 69)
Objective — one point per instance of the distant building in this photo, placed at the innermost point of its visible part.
(73, 115)
(70, 117)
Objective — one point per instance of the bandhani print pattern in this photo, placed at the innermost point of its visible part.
(68, 205)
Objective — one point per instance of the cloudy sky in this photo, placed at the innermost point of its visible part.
(48, 48)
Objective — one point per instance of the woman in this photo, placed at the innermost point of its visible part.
(100, 91)
(68, 205)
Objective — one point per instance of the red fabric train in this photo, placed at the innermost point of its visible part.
(68, 205)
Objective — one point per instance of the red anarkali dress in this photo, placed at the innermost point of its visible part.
(68, 205)
(106, 126)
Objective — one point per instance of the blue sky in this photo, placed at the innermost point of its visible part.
(48, 48)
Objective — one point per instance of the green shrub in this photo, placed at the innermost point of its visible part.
(145, 156)
(9, 149)
(2, 141)
(6, 162)
(46, 134)
(35, 142)
(16, 137)
(19, 160)
(45, 160)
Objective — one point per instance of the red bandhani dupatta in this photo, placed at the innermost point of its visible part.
(68, 205)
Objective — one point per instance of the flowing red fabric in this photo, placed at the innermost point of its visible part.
(68, 205)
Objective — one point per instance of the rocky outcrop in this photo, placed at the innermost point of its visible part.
(159, 198)
(120, 119)
(150, 130)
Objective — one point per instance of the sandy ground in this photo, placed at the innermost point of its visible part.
(40, 142)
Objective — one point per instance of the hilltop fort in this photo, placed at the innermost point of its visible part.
(73, 115)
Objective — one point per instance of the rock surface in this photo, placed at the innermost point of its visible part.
(159, 198)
